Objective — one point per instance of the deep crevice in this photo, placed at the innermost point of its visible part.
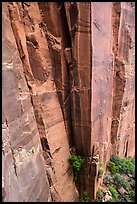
(116, 11)
(65, 35)
(64, 93)
(66, 45)
(119, 79)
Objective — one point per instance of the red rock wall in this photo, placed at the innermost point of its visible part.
(32, 118)
(24, 176)
(122, 131)
(69, 68)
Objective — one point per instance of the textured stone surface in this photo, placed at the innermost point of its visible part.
(102, 79)
(31, 111)
(123, 118)
(68, 83)
(24, 171)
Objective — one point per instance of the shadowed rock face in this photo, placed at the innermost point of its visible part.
(67, 83)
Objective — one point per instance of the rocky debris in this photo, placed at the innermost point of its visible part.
(122, 190)
(107, 196)
(107, 179)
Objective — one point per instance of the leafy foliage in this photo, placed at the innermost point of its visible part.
(113, 192)
(100, 164)
(84, 197)
(76, 162)
(124, 198)
(113, 168)
(121, 178)
(100, 193)
(118, 180)
(131, 181)
(123, 165)
(132, 195)
(132, 159)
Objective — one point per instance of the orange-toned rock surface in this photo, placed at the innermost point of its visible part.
(31, 113)
(123, 120)
(67, 83)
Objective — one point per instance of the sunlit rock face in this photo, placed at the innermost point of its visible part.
(67, 84)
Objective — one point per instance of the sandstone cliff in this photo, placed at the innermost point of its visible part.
(67, 84)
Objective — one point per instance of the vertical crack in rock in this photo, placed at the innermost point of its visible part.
(125, 149)
(119, 74)
(30, 81)
(116, 11)
(80, 86)
(41, 126)
(80, 75)
(62, 64)
(67, 64)
(32, 60)
(61, 56)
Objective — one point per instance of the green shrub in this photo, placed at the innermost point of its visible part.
(123, 175)
(113, 192)
(115, 159)
(124, 198)
(76, 162)
(131, 181)
(125, 165)
(112, 167)
(132, 195)
(132, 159)
(100, 193)
(84, 197)
(128, 167)
(118, 180)
(100, 164)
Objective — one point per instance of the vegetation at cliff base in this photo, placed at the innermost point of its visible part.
(84, 197)
(119, 181)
